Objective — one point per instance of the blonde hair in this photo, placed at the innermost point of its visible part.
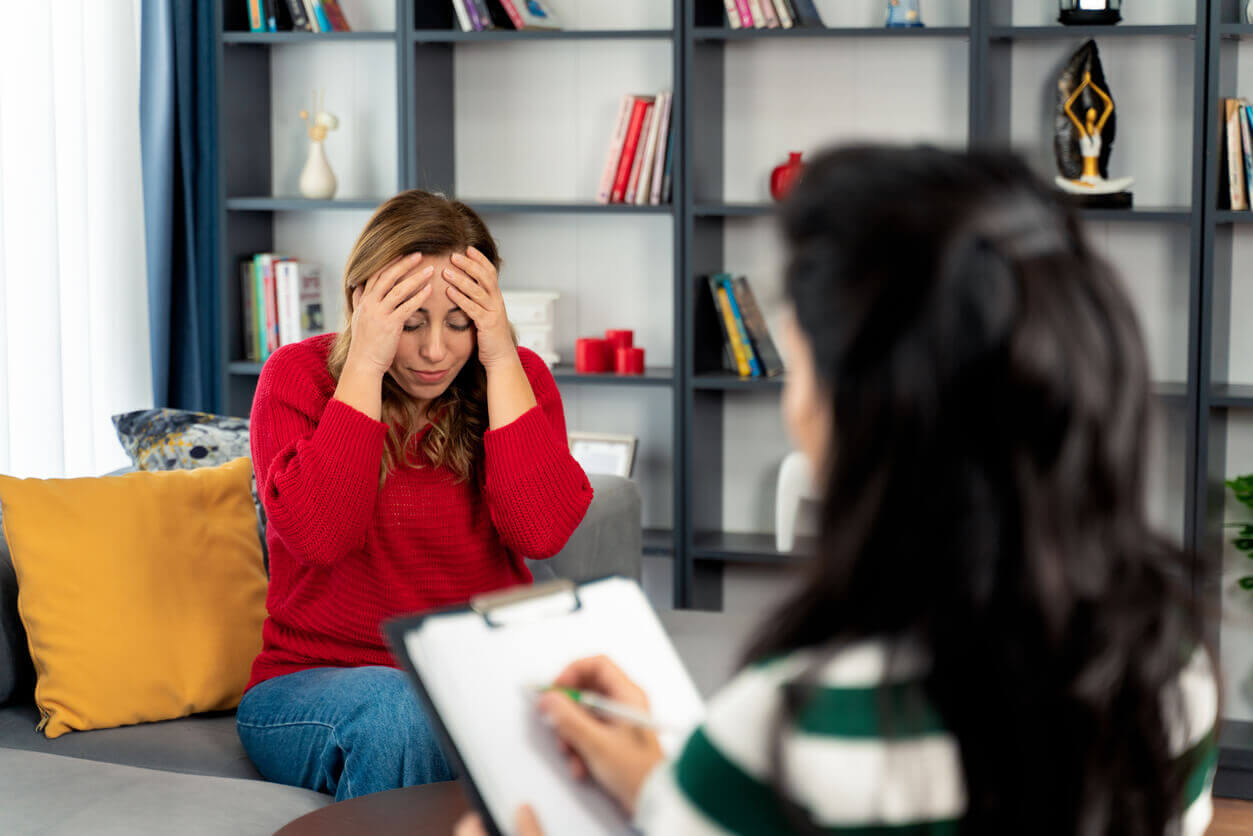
(418, 221)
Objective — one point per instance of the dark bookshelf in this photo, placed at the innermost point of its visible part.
(425, 40)
(727, 382)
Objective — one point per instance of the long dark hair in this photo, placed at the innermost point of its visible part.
(985, 484)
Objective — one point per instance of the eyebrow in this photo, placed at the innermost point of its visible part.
(451, 310)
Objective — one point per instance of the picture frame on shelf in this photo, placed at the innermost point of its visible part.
(604, 452)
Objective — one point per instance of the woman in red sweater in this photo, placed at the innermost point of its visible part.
(409, 462)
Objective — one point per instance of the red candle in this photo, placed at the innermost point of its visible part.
(629, 361)
(620, 339)
(591, 355)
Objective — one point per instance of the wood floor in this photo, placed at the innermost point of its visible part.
(1232, 818)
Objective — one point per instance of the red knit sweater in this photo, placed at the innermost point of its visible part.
(346, 554)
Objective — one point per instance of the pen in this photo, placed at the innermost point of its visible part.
(604, 705)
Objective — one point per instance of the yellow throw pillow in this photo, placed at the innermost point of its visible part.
(142, 595)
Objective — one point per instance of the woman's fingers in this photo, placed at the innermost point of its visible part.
(477, 265)
(406, 288)
(470, 825)
(526, 823)
(392, 273)
(417, 300)
(472, 308)
(576, 727)
(602, 675)
(467, 285)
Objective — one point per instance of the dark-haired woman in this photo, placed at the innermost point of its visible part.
(409, 462)
(991, 639)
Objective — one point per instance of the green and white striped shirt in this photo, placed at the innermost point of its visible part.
(850, 773)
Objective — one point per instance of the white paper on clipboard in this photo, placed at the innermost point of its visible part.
(478, 669)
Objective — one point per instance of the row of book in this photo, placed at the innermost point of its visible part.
(640, 161)
(747, 348)
(296, 16)
(483, 15)
(281, 303)
(771, 14)
(1237, 151)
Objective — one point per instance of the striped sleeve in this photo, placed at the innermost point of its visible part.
(845, 773)
(841, 770)
(1193, 737)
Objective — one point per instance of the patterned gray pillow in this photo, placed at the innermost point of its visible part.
(175, 439)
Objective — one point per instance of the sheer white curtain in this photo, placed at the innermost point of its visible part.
(73, 295)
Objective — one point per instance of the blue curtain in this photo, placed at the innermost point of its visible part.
(178, 132)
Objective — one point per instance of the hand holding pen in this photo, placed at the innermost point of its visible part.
(613, 743)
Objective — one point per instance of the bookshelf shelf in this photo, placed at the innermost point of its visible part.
(456, 36)
(244, 368)
(1023, 33)
(660, 376)
(723, 33)
(502, 207)
(288, 38)
(1235, 31)
(733, 383)
(728, 210)
(1176, 214)
(733, 547)
(298, 204)
(659, 542)
(1231, 396)
(1227, 216)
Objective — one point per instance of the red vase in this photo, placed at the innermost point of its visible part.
(784, 177)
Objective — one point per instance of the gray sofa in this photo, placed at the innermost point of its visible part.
(192, 775)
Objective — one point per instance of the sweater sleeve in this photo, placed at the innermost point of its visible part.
(316, 460)
(536, 491)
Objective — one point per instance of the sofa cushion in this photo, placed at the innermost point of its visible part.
(51, 794)
(142, 595)
(206, 744)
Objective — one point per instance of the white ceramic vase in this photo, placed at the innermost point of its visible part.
(317, 181)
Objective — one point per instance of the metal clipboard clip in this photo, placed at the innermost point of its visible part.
(527, 603)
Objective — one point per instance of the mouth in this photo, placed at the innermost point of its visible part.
(430, 377)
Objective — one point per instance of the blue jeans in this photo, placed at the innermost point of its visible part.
(344, 731)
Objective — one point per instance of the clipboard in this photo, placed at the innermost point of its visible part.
(473, 668)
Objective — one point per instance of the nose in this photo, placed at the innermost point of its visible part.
(433, 350)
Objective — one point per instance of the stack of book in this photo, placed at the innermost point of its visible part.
(747, 348)
(281, 303)
(482, 15)
(771, 14)
(1236, 151)
(640, 161)
(296, 16)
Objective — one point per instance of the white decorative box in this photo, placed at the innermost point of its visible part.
(533, 314)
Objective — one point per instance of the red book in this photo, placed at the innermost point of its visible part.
(271, 303)
(638, 112)
(641, 154)
(512, 11)
(336, 15)
(746, 17)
